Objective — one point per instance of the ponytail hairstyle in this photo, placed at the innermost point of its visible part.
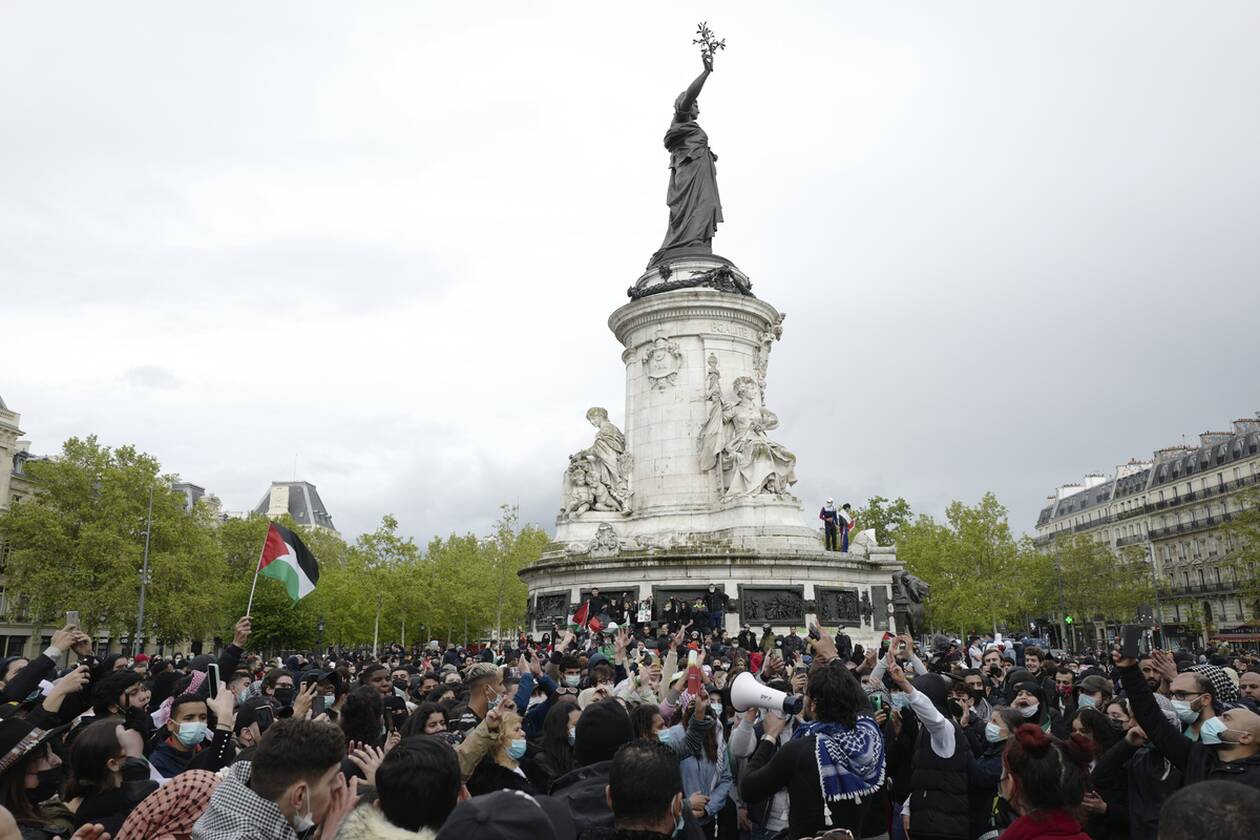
(1046, 773)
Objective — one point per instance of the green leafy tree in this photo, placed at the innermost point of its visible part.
(1099, 585)
(981, 577)
(1242, 533)
(79, 544)
(885, 517)
(509, 550)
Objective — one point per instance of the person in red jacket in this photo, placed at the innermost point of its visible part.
(1044, 779)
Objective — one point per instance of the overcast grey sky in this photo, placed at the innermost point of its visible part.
(1015, 242)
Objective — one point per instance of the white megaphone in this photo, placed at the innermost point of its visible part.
(747, 692)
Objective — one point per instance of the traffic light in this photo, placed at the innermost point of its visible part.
(1067, 619)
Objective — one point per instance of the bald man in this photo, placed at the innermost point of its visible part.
(1228, 749)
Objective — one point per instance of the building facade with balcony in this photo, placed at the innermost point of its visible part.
(1175, 508)
(17, 636)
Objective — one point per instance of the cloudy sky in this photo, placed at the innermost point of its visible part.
(1015, 242)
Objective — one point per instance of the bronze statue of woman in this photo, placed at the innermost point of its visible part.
(694, 206)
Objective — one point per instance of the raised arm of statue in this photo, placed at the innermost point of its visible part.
(692, 93)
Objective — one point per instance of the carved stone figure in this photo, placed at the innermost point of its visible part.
(712, 437)
(909, 595)
(694, 206)
(863, 542)
(760, 464)
(605, 543)
(552, 608)
(661, 361)
(867, 609)
(761, 361)
(598, 477)
(836, 606)
(734, 440)
(781, 606)
(579, 498)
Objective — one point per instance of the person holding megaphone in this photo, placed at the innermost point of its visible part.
(832, 765)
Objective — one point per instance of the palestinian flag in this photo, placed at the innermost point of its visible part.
(288, 561)
(580, 615)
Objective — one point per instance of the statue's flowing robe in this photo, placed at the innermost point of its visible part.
(694, 206)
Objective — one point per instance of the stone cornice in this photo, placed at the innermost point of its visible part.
(692, 304)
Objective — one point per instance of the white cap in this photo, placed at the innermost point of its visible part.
(830, 500)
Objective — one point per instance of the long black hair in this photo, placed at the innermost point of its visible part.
(415, 724)
(836, 694)
(90, 754)
(554, 740)
(641, 718)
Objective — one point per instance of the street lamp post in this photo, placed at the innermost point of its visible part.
(1158, 624)
(138, 642)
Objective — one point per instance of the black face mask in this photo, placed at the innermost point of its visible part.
(977, 694)
(49, 785)
(955, 708)
(401, 685)
(284, 696)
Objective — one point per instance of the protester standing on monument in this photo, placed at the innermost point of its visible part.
(846, 525)
(831, 522)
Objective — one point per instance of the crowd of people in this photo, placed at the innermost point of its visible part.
(638, 732)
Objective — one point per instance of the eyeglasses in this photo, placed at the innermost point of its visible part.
(1185, 695)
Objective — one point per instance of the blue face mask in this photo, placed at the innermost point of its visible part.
(1086, 702)
(900, 700)
(1186, 713)
(191, 734)
(572, 737)
(993, 733)
(516, 750)
(1210, 731)
(663, 736)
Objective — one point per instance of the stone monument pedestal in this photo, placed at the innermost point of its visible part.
(699, 493)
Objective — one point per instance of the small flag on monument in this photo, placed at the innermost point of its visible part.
(286, 559)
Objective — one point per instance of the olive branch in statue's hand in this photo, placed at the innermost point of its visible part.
(708, 42)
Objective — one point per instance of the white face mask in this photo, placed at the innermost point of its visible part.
(304, 822)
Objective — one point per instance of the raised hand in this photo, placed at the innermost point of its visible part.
(240, 633)
(73, 681)
(63, 639)
(302, 702)
(224, 707)
(343, 800)
(368, 759)
(1165, 664)
(773, 725)
(898, 675)
(824, 645)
